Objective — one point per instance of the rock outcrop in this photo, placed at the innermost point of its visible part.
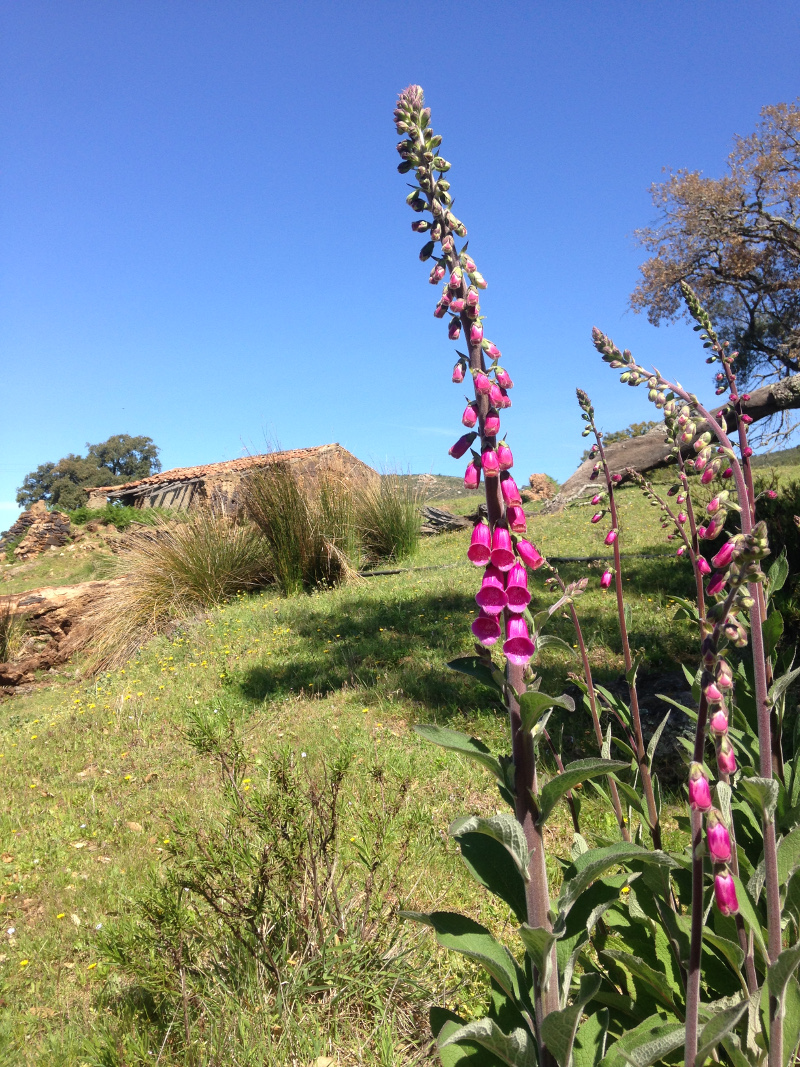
(39, 529)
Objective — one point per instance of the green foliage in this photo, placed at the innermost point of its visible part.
(121, 516)
(388, 518)
(120, 459)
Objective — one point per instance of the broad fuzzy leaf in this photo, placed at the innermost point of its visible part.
(532, 705)
(455, 741)
(517, 1049)
(558, 1028)
(573, 773)
(593, 863)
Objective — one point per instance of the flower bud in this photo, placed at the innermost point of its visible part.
(495, 396)
(462, 445)
(725, 555)
(472, 475)
(454, 329)
(712, 693)
(458, 373)
(491, 596)
(479, 551)
(420, 225)
(771, 494)
(747, 453)
(476, 333)
(699, 789)
(427, 250)
(703, 566)
(726, 757)
(529, 554)
(483, 385)
(746, 419)
(728, 472)
(457, 306)
(516, 518)
(486, 628)
(447, 244)
(681, 550)
(455, 279)
(478, 279)
(597, 516)
(470, 416)
(725, 893)
(596, 498)
(718, 840)
(467, 263)
(503, 378)
(509, 489)
(505, 456)
(723, 675)
(719, 722)
(682, 517)
(490, 463)
(472, 298)
(491, 349)
(491, 424)
(606, 578)
(518, 646)
(717, 583)
(611, 537)
(504, 401)
(436, 274)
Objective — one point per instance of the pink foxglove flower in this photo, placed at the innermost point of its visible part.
(505, 401)
(509, 489)
(491, 350)
(716, 584)
(747, 419)
(718, 839)
(472, 297)
(719, 722)
(491, 424)
(709, 474)
(771, 494)
(458, 373)
(480, 547)
(495, 396)
(518, 646)
(724, 675)
(491, 596)
(681, 550)
(713, 506)
(486, 628)
(517, 589)
(436, 275)
(713, 695)
(724, 556)
(503, 378)
(457, 306)
(682, 517)
(728, 472)
(505, 456)
(470, 416)
(606, 578)
(611, 537)
(490, 463)
(482, 384)
(703, 565)
(596, 498)
(747, 453)
(516, 518)
(699, 789)
(462, 445)
(598, 516)
(472, 475)
(454, 329)
(476, 333)
(468, 263)
(725, 893)
(726, 757)
(529, 554)
(502, 549)
(455, 279)
(439, 310)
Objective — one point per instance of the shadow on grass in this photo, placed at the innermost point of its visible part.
(400, 645)
(396, 647)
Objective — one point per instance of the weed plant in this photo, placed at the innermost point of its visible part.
(388, 518)
(121, 516)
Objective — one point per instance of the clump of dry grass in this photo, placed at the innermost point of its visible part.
(309, 529)
(172, 571)
(388, 518)
(12, 633)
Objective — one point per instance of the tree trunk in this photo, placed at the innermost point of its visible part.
(650, 451)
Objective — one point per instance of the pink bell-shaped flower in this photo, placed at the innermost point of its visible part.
(495, 396)
(482, 384)
(505, 456)
(726, 757)
(502, 377)
(529, 554)
(699, 789)
(491, 424)
(606, 578)
(491, 596)
(724, 556)
(462, 445)
(502, 549)
(516, 518)
(480, 546)
(713, 695)
(470, 416)
(509, 489)
(716, 584)
(472, 475)
(458, 373)
(490, 463)
(610, 537)
(703, 565)
(718, 839)
(517, 589)
(518, 646)
(486, 628)
(505, 401)
(476, 333)
(725, 893)
(454, 328)
(719, 721)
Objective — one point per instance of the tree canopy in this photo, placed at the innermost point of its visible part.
(736, 241)
(120, 459)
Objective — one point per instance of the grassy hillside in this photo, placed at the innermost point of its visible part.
(104, 783)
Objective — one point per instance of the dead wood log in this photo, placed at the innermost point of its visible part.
(439, 520)
(650, 451)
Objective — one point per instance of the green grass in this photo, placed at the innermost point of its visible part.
(95, 773)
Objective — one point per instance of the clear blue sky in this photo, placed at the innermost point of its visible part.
(204, 237)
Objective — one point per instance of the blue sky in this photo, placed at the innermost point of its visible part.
(204, 236)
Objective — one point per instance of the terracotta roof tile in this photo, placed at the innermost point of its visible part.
(182, 474)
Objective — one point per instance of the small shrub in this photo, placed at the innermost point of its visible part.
(171, 572)
(119, 515)
(388, 518)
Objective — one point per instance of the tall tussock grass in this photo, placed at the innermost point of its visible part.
(388, 518)
(12, 634)
(309, 529)
(171, 572)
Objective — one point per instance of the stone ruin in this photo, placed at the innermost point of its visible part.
(540, 488)
(39, 529)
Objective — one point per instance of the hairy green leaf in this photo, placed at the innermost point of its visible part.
(593, 863)
(444, 1024)
(455, 741)
(517, 1049)
(653, 745)
(773, 631)
(590, 1040)
(659, 983)
(504, 828)
(573, 773)
(778, 573)
(491, 865)
(558, 1028)
(646, 1043)
(718, 1027)
(477, 667)
(532, 705)
(764, 792)
(538, 943)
